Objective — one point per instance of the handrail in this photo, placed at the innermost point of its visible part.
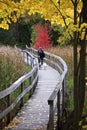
(53, 59)
(15, 85)
(60, 89)
(29, 58)
(31, 78)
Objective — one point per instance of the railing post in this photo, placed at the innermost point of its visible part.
(53, 58)
(29, 84)
(27, 57)
(58, 109)
(8, 104)
(22, 101)
(63, 95)
(54, 62)
(30, 81)
(49, 57)
(51, 116)
(64, 92)
(32, 62)
(86, 81)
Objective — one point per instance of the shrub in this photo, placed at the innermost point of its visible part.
(42, 39)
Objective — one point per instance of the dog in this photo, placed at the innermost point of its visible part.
(44, 65)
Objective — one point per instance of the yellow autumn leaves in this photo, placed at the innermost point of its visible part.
(50, 10)
(7, 7)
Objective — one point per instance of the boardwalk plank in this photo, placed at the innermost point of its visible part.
(34, 114)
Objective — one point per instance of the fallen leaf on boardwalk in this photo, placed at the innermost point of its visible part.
(3, 120)
(16, 120)
(12, 124)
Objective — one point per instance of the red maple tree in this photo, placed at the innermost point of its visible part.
(42, 39)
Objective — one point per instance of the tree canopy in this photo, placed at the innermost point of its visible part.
(58, 12)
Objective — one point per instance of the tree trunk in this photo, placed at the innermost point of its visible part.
(79, 74)
(72, 121)
(76, 87)
(82, 62)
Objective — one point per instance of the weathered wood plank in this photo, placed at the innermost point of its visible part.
(7, 110)
(35, 113)
(57, 63)
(33, 75)
(16, 84)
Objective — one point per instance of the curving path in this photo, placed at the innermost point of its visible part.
(34, 114)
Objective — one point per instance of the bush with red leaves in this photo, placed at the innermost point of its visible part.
(42, 39)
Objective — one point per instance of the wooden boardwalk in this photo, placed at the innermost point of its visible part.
(34, 114)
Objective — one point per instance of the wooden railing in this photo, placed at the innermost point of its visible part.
(59, 93)
(86, 81)
(25, 84)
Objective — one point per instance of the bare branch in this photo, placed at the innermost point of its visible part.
(72, 2)
(63, 17)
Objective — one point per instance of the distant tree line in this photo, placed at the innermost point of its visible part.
(24, 32)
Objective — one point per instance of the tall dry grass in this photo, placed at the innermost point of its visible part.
(66, 53)
(11, 66)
